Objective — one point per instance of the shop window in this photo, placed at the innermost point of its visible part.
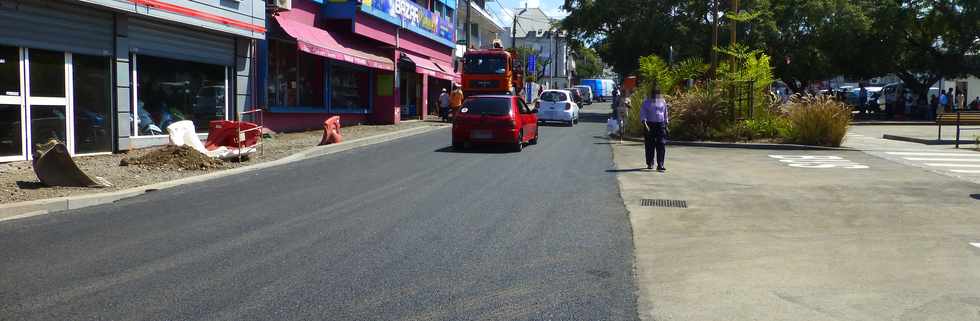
(172, 90)
(296, 78)
(92, 103)
(9, 71)
(47, 122)
(47, 73)
(350, 88)
(10, 138)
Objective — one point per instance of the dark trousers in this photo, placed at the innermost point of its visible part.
(655, 143)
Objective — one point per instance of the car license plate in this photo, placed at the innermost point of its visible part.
(481, 134)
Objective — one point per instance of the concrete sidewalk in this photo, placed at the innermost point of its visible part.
(761, 240)
(928, 135)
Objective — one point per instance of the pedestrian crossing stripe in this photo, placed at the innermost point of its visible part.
(965, 171)
(934, 154)
(952, 165)
(943, 159)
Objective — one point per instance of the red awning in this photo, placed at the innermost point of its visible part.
(329, 44)
(428, 67)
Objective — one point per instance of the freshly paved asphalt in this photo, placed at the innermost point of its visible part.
(405, 230)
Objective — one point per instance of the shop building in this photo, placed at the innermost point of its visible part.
(368, 61)
(110, 75)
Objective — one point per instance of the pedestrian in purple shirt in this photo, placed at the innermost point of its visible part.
(654, 115)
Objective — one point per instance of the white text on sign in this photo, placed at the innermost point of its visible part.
(818, 161)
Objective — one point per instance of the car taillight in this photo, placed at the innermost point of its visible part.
(568, 106)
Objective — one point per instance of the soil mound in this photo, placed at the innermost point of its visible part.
(174, 157)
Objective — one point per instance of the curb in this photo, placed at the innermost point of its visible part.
(45, 206)
(927, 141)
(769, 146)
(893, 123)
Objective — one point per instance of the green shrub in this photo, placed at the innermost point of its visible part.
(817, 120)
(698, 114)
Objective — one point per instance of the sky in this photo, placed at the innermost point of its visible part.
(551, 7)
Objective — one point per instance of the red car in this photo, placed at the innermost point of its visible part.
(495, 119)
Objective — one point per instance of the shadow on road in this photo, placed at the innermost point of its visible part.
(477, 149)
(626, 170)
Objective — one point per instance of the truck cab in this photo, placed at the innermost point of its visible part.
(491, 71)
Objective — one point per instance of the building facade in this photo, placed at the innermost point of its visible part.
(110, 75)
(485, 27)
(535, 30)
(368, 61)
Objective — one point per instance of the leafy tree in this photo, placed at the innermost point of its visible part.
(587, 62)
(927, 40)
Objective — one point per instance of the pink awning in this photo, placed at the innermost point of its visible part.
(428, 67)
(329, 44)
(447, 67)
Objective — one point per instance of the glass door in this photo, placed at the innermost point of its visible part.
(47, 100)
(11, 105)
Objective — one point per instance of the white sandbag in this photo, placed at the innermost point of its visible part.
(183, 133)
(612, 126)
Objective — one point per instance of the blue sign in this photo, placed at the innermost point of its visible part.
(414, 17)
(531, 62)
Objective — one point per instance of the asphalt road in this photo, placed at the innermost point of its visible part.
(405, 230)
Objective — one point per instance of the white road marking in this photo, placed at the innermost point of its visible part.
(965, 171)
(818, 161)
(943, 159)
(934, 154)
(952, 165)
(975, 244)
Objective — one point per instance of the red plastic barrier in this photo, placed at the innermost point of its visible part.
(225, 133)
(331, 131)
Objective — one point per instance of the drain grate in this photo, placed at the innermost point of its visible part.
(663, 203)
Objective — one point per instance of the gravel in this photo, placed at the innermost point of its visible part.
(19, 183)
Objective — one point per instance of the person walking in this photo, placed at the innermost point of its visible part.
(961, 101)
(933, 107)
(456, 100)
(444, 105)
(654, 115)
(621, 111)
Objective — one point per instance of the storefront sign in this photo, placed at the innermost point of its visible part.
(413, 17)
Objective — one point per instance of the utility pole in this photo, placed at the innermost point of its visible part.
(554, 60)
(467, 27)
(714, 38)
(513, 36)
(734, 28)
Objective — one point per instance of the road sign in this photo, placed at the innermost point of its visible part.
(531, 62)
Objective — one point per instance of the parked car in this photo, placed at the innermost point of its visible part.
(495, 119)
(576, 95)
(587, 95)
(557, 106)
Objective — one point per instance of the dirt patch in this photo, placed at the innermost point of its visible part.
(19, 183)
(174, 157)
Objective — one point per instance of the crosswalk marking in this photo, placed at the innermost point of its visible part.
(934, 154)
(975, 244)
(965, 171)
(943, 159)
(952, 165)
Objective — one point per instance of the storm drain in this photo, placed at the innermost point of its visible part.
(663, 203)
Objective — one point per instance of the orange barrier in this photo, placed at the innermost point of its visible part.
(331, 131)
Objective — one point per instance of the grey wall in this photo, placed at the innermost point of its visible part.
(246, 11)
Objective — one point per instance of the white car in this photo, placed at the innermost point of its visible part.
(557, 106)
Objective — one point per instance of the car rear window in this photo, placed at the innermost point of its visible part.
(487, 106)
(553, 96)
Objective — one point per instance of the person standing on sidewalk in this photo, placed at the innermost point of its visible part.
(444, 105)
(960, 101)
(456, 100)
(654, 115)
